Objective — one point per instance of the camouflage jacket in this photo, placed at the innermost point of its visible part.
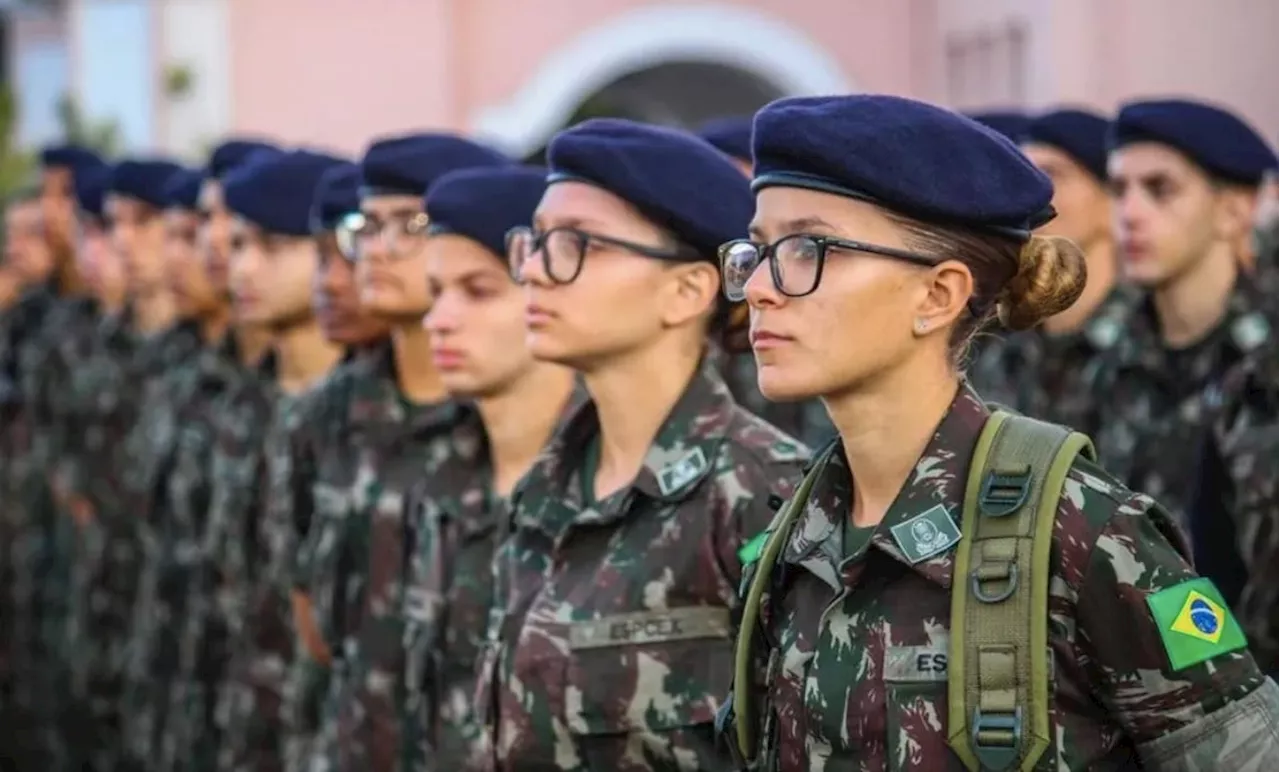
(1155, 411)
(856, 678)
(364, 449)
(455, 528)
(1051, 377)
(609, 639)
(806, 420)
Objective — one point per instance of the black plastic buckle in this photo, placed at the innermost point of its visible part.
(1004, 493)
(996, 754)
(1011, 585)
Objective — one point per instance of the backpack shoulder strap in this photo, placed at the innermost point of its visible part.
(998, 663)
(779, 532)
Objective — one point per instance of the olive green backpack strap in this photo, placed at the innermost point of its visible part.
(998, 663)
(778, 534)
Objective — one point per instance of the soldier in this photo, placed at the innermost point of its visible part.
(808, 420)
(614, 592)
(1047, 372)
(377, 427)
(1010, 123)
(273, 265)
(459, 515)
(869, 638)
(1184, 178)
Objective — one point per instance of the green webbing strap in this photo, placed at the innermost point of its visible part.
(780, 531)
(998, 663)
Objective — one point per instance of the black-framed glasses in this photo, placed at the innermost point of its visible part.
(795, 262)
(400, 236)
(563, 251)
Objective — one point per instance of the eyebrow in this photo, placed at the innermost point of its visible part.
(796, 225)
(579, 223)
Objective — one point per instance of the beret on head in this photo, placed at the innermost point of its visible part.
(484, 203)
(1216, 140)
(183, 188)
(407, 165)
(91, 189)
(675, 179)
(910, 157)
(144, 179)
(1010, 123)
(1080, 134)
(233, 153)
(336, 195)
(274, 192)
(731, 136)
(77, 159)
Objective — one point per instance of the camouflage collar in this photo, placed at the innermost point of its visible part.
(1245, 327)
(938, 479)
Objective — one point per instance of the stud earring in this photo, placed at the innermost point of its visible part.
(921, 325)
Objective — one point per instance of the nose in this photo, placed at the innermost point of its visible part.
(759, 289)
(442, 317)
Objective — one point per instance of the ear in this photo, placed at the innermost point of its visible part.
(947, 288)
(692, 289)
(1236, 207)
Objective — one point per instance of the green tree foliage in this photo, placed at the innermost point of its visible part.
(102, 137)
(16, 166)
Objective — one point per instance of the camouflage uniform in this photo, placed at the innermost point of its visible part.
(1050, 377)
(1154, 413)
(364, 450)
(858, 620)
(456, 527)
(806, 420)
(609, 639)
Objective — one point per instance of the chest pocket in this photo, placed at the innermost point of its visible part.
(915, 683)
(658, 674)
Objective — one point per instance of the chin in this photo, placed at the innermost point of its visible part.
(780, 385)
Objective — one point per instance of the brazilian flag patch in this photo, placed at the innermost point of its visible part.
(751, 551)
(1194, 623)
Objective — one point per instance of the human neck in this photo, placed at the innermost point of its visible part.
(519, 421)
(633, 397)
(214, 325)
(1100, 264)
(416, 375)
(1189, 306)
(154, 312)
(303, 355)
(885, 428)
(252, 344)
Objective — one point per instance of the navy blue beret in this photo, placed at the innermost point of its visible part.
(337, 194)
(408, 164)
(144, 179)
(675, 179)
(91, 189)
(731, 136)
(234, 152)
(1010, 123)
(71, 157)
(274, 191)
(183, 188)
(1216, 140)
(1078, 133)
(914, 158)
(484, 203)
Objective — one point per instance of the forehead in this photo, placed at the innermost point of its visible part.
(210, 194)
(118, 202)
(176, 216)
(387, 206)
(571, 201)
(1047, 156)
(453, 257)
(1145, 159)
(779, 210)
(244, 227)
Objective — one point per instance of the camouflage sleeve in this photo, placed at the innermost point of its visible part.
(1164, 654)
(760, 489)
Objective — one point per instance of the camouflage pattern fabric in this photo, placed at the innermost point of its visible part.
(374, 448)
(609, 640)
(1051, 377)
(859, 620)
(1155, 413)
(456, 525)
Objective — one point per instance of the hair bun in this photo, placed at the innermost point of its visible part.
(1050, 277)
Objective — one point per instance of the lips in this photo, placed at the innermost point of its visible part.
(447, 358)
(537, 316)
(764, 339)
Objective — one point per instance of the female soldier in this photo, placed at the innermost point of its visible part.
(891, 230)
(609, 642)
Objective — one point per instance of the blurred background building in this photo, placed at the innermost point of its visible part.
(174, 75)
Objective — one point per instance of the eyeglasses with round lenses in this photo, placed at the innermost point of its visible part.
(400, 236)
(563, 251)
(795, 262)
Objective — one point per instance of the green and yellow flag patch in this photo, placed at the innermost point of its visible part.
(751, 551)
(1194, 622)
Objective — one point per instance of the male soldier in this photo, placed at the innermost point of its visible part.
(1184, 177)
(380, 424)
(1045, 372)
(807, 421)
(477, 341)
(273, 264)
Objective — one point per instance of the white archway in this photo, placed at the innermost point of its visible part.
(645, 37)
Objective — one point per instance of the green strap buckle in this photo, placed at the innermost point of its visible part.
(1004, 493)
(996, 738)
